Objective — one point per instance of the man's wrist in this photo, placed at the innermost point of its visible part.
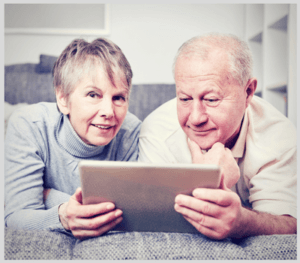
(244, 224)
(254, 223)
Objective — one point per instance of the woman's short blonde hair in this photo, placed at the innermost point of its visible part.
(80, 56)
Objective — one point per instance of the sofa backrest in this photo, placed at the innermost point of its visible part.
(24, 84)
(146, 98)
(33, 83)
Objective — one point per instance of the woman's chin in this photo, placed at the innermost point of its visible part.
(98, 141)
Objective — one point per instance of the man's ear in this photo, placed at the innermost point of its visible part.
(250, 89)
(62, 101)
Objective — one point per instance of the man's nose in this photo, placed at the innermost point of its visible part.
(198, 114)
(106, 108)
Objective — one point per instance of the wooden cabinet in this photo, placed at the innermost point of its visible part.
(271, 34)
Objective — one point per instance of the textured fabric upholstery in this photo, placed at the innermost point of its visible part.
(27, 245)
(24, 85)
(22, 244)
(46, 64)
(146, 98)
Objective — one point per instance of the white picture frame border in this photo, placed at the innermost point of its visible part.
(66, 31)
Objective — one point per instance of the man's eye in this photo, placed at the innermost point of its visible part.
(211, 101)
(184, 99)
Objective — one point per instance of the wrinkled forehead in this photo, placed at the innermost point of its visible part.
(192, 65)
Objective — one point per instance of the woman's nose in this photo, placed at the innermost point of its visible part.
(106, 109)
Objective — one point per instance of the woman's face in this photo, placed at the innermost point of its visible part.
(96, 108)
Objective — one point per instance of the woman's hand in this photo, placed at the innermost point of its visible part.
(88, 220)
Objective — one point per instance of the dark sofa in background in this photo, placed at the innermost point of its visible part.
(31, 83)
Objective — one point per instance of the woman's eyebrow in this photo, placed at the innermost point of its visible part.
(91, 86)
(122, 93)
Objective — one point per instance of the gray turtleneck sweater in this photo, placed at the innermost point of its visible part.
(42, 150)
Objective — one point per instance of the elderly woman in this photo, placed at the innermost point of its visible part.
(45, 142)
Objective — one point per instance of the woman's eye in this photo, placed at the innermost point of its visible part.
(119, 100)
(93, 95)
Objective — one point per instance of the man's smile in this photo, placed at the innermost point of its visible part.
(201, 131)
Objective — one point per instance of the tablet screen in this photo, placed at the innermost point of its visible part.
(145, 192)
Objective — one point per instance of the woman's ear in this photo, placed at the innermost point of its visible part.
(250, 89)
(62, 101)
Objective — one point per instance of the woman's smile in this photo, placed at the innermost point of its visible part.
(103, 129)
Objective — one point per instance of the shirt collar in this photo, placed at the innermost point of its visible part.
(239, 147)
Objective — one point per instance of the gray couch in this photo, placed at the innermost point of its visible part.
(22, 244)
(31, 83)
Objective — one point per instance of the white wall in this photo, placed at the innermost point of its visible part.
(148, 34)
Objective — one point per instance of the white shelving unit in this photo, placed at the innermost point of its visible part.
(271, 34)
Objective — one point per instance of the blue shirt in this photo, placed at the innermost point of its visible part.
(42, 150)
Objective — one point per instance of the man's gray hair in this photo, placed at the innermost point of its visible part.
(239, 55)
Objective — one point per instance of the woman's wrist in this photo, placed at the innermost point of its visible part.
(62, 217)
(46, 192)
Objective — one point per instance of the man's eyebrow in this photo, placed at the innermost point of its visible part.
(179, 89)
(212, 89)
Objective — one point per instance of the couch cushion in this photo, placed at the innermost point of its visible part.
(23, 84)
(46, 64)
(275, 247)
(29, 245)
(146, 98)
(156, 246)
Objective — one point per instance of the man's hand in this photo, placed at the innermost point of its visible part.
(88, 220)
(219, 155)
(216, 213)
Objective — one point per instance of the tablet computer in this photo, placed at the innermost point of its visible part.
(145, 192)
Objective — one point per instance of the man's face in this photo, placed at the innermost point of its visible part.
(210, 106)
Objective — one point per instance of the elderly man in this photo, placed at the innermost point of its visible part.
(215, 118)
